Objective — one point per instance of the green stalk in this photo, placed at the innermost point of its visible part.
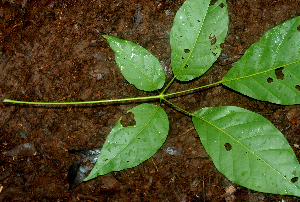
(190, 114)
(160, 96)
(193, 89)
(224, 81)
(83, 102)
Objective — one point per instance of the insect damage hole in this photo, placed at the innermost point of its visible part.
(212, 2)
(297, 87)
(294, 179)
(128, 120)
(279, 74)
(213, 39)
(298, 28)
(186, 50)
(270, 80)
(227, 146)
(222, 5)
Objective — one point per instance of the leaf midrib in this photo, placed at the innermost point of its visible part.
(222, 131)
(194, 45)
(120, 151)
(123, 52)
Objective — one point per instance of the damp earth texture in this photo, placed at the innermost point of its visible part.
(54, 51)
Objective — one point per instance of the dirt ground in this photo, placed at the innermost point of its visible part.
(52, 50)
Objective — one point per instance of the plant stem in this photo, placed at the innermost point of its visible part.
(190, 114)
(193, 89)
(83, 102)
(160, 96)
(222, 81)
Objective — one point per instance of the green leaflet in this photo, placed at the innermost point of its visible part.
(248, 149)
(270, 69)
(126, 147)
(196, 35)
(138, 66)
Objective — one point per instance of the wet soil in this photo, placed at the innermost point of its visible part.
(52, 50)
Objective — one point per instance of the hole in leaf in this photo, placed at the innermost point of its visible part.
(294, 179)
(127, 161)
(297, 87)
(227, 146)
(298, 28)
(128, 120)
(105, 159)
(186, 50)
(180, 36)
(198, 20)
(269, 80)
(212, 2)
(279, 74)
(182, 58)
(222, 5)
(212, 39)
(186, 66)
(214, 53)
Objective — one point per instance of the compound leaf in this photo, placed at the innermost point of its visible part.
(270, 69)
(139, 67)
(248, 149)
(197, 32)
(126, 147)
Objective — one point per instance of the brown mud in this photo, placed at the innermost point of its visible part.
(52, 50)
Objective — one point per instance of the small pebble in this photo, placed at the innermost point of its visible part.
(173, 151)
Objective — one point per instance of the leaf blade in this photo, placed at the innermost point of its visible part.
(126, 147)
(195, 38)
(269, 70)
(139, 67)
(259, 157)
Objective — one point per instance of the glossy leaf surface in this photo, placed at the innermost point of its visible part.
(139, 67)
(270, 69)
(248, 149)
(197, 32)
(126, 147)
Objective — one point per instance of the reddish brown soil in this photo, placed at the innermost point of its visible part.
(52, 50)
